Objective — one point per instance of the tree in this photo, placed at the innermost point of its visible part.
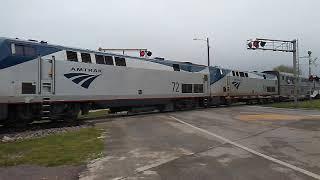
(284, 68)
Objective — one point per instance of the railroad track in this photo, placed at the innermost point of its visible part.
(45, 127)
(38, 128)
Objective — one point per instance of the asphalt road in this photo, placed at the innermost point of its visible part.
(243, 143)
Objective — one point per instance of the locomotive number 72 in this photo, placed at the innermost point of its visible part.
(175, 86)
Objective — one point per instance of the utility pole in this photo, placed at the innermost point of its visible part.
(310, 61)
(313, 82)
(296, 79)
(208, 46)
(208, 63)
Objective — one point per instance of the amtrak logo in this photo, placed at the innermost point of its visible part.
(236, 84)
(82, 79)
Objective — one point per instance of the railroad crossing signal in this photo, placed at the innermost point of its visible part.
(144, 53)
(255, 44)
(314, 78)
(270, 44)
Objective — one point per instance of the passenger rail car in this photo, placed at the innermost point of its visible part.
(286, 83)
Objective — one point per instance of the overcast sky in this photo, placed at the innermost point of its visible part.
(167, 27)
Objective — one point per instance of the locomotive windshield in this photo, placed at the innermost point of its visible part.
(23, 50)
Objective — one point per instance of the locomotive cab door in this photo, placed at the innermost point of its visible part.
(46, 84)
(227, 85)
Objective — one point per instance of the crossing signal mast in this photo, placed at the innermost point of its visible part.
(282, 46)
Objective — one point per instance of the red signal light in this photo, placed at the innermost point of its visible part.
(310, 78)
(256, 44)
(142, 53)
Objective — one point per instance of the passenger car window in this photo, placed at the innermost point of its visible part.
(120, 61)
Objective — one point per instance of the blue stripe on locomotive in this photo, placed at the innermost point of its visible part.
(216, 75)
(184, 66)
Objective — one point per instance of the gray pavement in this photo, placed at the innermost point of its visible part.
(159, 147)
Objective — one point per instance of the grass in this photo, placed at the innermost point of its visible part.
(71, 148)
(95, 114)
(313, 104)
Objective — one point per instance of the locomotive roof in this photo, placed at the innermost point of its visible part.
(45, 44)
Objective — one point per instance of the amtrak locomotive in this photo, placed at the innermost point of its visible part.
(44, 81)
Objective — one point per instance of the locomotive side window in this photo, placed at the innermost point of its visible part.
(72, 56)
(99, 59)
(85, 57)
(186, 88)
(21, 50)
(246, 74)
(233, 73)
(120, 61)
(109, 60)
(176, 67)
(198, 88)
(28, 88)
(271, 89)
(237, 73)
(241, 74)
